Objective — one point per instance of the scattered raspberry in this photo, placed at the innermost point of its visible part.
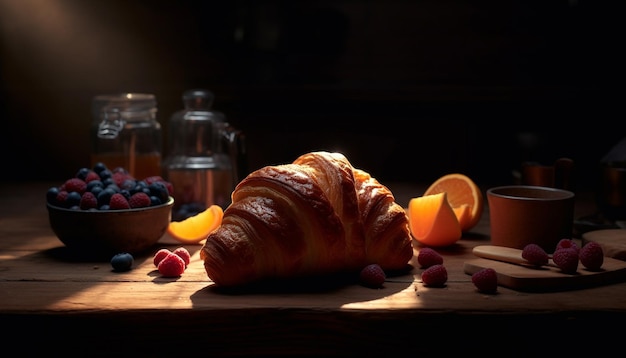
(566, 244)
(139, 200)
(428, 257)
(436, 275)
(372, 276)
(171, 266)
(88, 201)
(184, 254)
(75, 184)
(486, 280)
(592, 256)
(160, 255)
(118, 202)
(566, 259)
(535, 255)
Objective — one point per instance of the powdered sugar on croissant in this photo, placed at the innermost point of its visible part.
(318, 215)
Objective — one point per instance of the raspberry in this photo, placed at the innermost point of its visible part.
(566, 244)
(171, 266)
(120, 176)
(75, 184)
(139, 200)
(151, 179)
(592, 256)
(184, 254)
(61, 198)
(535, 255)
(436, 275)
(91, 176)
(118, 202)
(486, 280)
(566, 259)
(372, 276)
(428, 257)
(88, 201)
(160, 255)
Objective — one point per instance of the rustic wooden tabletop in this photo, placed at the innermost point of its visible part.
(81, 307)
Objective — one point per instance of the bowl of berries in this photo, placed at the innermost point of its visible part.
(101, 211)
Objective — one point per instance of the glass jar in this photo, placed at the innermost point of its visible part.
(204, 156)
(126, 133)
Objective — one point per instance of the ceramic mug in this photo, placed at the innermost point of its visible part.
(522, 214)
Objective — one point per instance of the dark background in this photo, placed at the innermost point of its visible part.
(408, 90)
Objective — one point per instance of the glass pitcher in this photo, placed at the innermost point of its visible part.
(125, 133)
(205, 155)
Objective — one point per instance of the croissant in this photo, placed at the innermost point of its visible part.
(318, 215)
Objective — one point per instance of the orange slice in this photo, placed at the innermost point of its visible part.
(463, 215)
(432, 221)
(196, 228)
(461, 190)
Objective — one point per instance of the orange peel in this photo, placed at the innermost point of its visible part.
(195, 229)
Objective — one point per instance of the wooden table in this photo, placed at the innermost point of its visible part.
(56, 305)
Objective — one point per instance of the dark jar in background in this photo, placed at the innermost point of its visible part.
(611, 193)
(126, 133)
(204, 155)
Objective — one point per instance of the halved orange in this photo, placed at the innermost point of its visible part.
(432, 221)
(196, 228)
(461, 190)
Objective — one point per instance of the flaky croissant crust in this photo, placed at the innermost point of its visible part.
(318, 215)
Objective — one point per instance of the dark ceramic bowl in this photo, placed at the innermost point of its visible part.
(111, 231)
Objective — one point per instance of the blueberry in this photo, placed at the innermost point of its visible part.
(128, 184)
(126, 193)
(51, 195)
(159, 190)
(104, 197)
(94, 183)
(140, 186)
(82, 173)
(105, 174)
(96, 190)
(154, 201)
(73, 199)
(99, 167)
(122, 262)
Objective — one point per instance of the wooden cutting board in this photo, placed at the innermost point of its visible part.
(613, 241)
(548, 278)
